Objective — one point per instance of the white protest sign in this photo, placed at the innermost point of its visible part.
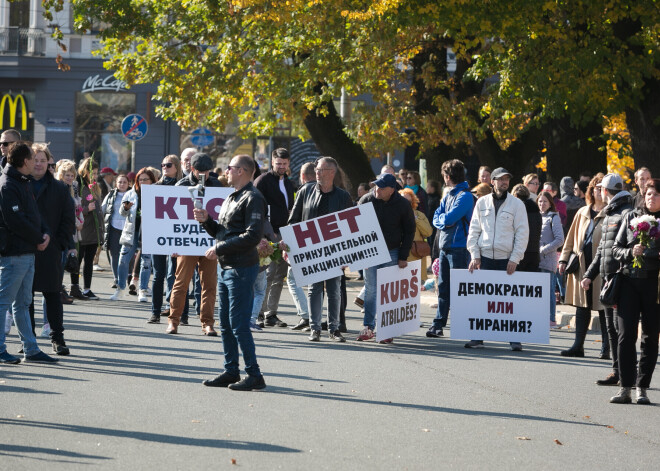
(397, 302)
(491, 305)
(319, 247)
(168, 225)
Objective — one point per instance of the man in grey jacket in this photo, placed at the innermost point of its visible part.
(498, 234)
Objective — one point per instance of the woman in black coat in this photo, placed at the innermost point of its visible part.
(56, 209)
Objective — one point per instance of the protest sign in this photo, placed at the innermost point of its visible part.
(319, 247)
(397, 302)
(491, 305)
(168, 224)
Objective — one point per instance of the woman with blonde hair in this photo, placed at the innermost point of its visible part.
(422, 228)
(91, 233)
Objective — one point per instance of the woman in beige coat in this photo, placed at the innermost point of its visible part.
(582, 239)
(422, 225)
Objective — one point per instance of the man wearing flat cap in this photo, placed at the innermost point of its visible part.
(201, 165)
(498, 234)
(397, 221)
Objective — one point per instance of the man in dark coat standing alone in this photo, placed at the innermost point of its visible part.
(56, 208)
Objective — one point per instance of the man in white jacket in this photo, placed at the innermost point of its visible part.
(498, 234)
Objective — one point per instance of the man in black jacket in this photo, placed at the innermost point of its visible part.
(56, 208)
(397, 221)
(314, 200)
(22, 233)
(277, 189)
(201, 164)
(619, 202)
(238, 231)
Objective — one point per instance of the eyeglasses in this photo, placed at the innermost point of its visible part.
(409, 178)
(51, 166)
(534, 183)
(6, 143)
(166, 165)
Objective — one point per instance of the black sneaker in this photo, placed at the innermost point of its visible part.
(324, 326)
(60, 348)
(184, 320)
(8, 358)
(91, 296)
(260, 321)
(315, 336)
(342, 328)
(336, 336)
(249, 383)
(434, 332)
(75, 292)
(222, 381)
(39, 357)
(300, 325)
(132, 291)
(154, 319)
(274, 321)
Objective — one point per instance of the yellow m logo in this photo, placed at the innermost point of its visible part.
(13, 108)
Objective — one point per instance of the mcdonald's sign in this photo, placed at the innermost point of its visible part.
(13, 110)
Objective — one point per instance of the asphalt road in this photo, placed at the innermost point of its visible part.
(130, 397)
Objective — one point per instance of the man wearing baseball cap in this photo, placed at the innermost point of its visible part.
(496, 242)
(397, 221)
(107, 180)
(619, 202)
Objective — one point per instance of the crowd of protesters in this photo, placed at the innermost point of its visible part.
(579, 232)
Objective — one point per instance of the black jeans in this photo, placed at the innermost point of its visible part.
(86, 254)
(638, 298)
(54, 314)
(613, 336)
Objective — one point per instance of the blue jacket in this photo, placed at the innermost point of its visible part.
(453, 216)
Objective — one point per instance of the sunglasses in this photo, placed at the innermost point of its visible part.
(167, 165)
(5, 143)
(51, 166)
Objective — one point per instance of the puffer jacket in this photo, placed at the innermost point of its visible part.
(500, 237)
(604, 262)
(552, 238)
(623, 247)
(130, 228)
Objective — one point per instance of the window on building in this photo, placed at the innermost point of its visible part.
(98, 128)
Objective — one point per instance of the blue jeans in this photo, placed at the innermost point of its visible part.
(259, 294)
(553, 300)
(236, 297)
(114, 247)
(125, 255)
(16, 274)
(298, 295)
(145, 270)
(457, 257)
(315, 299)
(370, 289)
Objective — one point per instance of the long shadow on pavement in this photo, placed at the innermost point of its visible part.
(24, 452)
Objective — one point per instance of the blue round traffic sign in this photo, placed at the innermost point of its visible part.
(202, 137)
(134, 127)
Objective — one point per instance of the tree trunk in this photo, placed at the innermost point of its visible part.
(331, 139)
(573, 150)
(644, 126)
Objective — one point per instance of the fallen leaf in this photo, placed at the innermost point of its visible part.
(195, 421)
(610, 426)
(558, 442)
(426, 430)
(233, 461)
(586, 417)
(523, 438)
(626, 432)
(20, 416)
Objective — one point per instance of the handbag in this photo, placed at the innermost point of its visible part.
(573, 264)
(420, 249)
(609, 293)
(71, 265)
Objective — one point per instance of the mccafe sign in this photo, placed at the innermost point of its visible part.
(97, 83)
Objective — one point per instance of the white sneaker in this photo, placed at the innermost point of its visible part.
(148, 291)
(45, 330)
(119, 293)
(98, 267)
(8, 321)
(142, 296)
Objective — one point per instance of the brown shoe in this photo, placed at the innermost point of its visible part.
(171, 329)
(210, 331)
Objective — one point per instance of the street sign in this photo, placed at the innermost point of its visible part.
(134, 127)
(202, 137)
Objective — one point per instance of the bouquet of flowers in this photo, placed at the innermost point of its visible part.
(270, 251)
(645, 228)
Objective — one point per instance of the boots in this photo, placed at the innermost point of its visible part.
(582, 315)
